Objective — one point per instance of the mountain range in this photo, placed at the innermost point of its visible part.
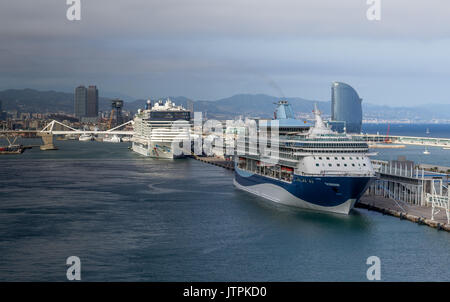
(254, 105)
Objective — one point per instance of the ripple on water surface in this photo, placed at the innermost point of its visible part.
(133, 219)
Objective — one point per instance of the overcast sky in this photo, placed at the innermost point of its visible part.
(209, 49)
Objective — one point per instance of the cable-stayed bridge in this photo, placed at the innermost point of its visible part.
(54, 128)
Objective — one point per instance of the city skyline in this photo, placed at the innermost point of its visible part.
(86, 101)
(205, 50)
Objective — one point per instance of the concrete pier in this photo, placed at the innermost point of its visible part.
(414, 213)
(216, 161)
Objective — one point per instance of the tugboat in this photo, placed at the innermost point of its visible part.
(12, 149)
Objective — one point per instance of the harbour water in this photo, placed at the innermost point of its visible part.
(435, 130)
(131, 218)
(437, 156)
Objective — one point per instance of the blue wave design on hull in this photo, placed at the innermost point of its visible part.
(326, 191)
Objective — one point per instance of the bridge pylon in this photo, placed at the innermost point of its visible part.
(47, 141)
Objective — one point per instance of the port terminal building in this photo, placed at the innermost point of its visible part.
(405, 182)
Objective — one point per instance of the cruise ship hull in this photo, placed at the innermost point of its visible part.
(155, 149)
(336, 194)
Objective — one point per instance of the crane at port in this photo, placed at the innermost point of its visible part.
(110, 119)
(387, 140)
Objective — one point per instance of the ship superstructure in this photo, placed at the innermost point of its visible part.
(313, 167)
(160, 131)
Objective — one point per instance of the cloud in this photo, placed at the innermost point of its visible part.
(211, 48)
(243, 18)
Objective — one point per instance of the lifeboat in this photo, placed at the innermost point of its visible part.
(287, 169)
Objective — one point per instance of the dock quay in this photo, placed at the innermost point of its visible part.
(216, 161)
(413, 213)
(401, 189)
(415, 192)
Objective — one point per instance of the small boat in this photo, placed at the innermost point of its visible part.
(85, 137)
(12, 149)
(70, 137)
(111, 139)
(126, 139)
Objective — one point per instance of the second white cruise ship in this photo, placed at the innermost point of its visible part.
(160, 131)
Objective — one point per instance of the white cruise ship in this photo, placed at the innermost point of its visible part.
(160, 130)
(315, 167)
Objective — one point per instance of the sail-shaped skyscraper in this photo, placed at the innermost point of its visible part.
(346, 108)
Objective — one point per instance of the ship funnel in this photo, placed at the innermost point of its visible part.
(283, 111)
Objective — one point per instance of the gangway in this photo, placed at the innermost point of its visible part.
(393, 197)
(439, 202)
(409, 184)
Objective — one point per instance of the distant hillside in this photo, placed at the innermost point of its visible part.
(30, 100)
(423, 112)
(260, 105)
(254, 105)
